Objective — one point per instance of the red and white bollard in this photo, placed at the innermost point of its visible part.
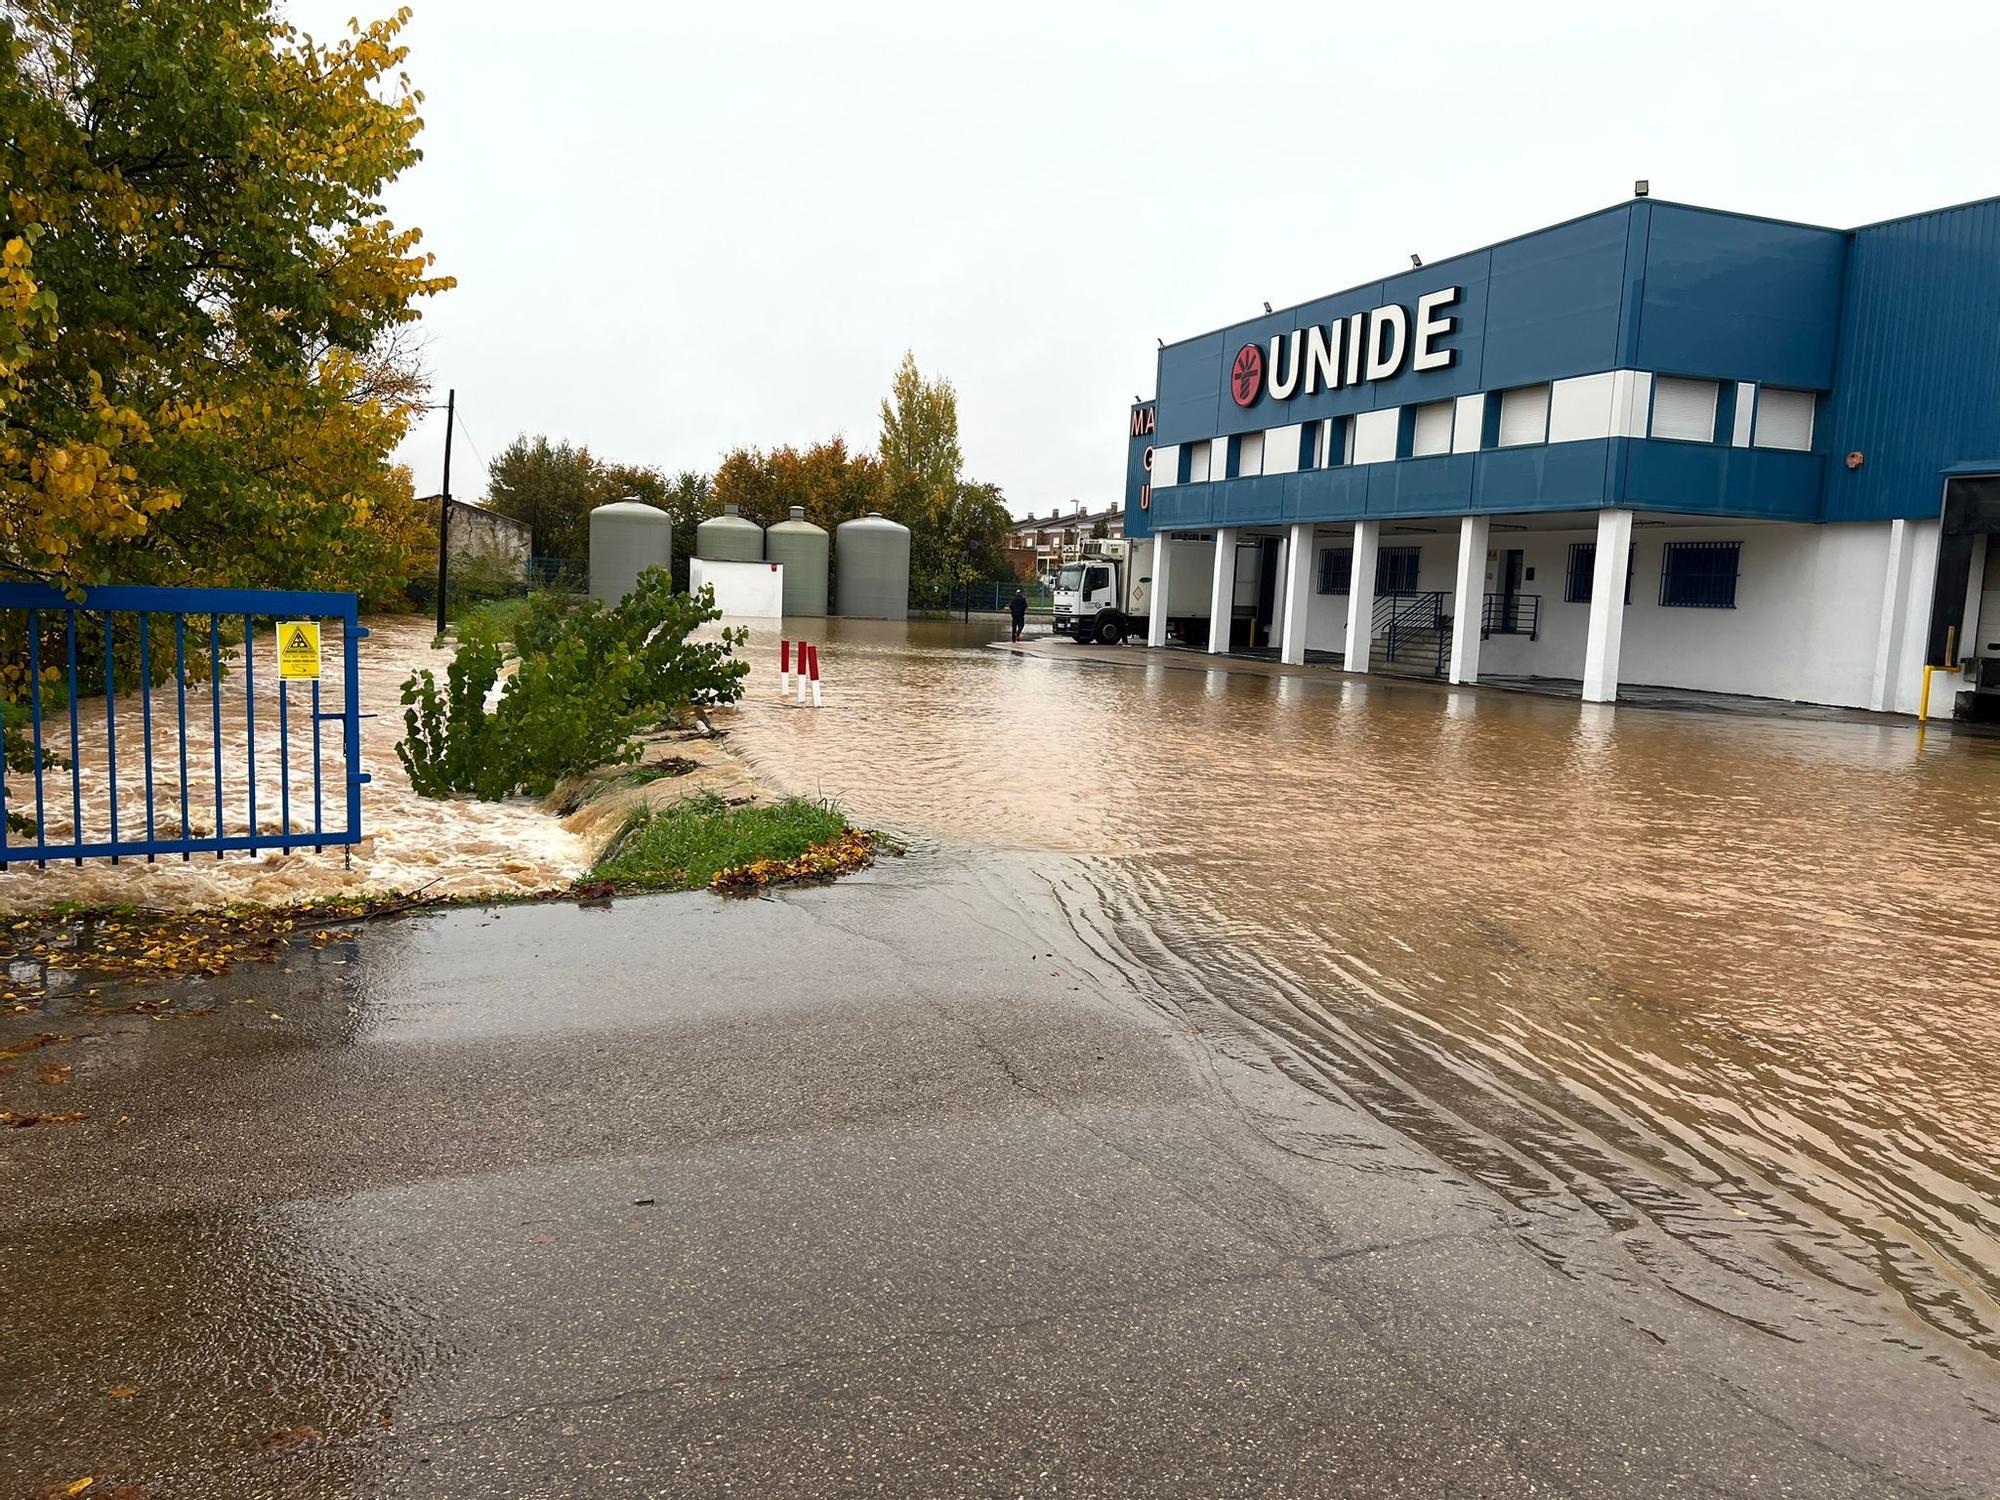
(812, 665)
(805, 654)
(784, 667)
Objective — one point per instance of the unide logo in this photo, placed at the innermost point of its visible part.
(1354, 350)
(1246, 375)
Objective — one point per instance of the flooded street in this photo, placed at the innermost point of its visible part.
(1727, 988)
(1250, 1084)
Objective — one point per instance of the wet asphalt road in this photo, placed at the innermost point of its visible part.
(899, 1187)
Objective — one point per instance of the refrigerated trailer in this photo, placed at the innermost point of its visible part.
(1107, 594)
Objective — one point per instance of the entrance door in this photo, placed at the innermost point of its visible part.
(1512, 565)
(1267, 592)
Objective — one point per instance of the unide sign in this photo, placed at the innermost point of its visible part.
(1348, 351)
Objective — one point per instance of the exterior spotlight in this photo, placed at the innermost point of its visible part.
(1417, 261)
(1161, 342)
(1641, 188)
(1267, 307)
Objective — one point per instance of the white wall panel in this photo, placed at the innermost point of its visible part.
(1468, 422)
(1281, 450)
(1631, 401)
(1199, 458)
(1746, 406)
(1166, 470)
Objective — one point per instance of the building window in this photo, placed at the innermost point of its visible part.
(1372, 435)
(1336, 569)
(1430, 432)
(1250, 455)
(1396, 570)
(1684, 410)
(1699, 575)
(1784, 419)
(1524, 416)
(1581, 583)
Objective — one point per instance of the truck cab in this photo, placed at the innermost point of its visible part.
(1089, 599)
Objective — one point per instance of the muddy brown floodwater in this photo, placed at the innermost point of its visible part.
(1706, 998)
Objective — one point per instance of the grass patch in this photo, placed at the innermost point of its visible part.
(687, 846)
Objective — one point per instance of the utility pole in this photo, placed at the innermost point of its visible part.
(444, 502)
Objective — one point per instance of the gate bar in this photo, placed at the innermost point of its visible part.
(181, 687)
(110, 726)
(146, 713)
(75, 760)
(35, 697)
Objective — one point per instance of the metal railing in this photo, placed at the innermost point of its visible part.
(1511, 614)
(994, 595)
(162, 643)
(1399, 618)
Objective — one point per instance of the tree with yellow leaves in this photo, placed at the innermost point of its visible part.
(205, 359)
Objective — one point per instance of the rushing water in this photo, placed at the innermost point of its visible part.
(1722, 985)
(452, 847)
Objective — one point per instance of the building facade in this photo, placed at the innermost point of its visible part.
(1059, 538)
(1654, 445)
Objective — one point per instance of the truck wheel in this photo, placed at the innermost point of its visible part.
(1110, 630)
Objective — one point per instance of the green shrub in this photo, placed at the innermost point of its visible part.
(588, 680)
(447, 743)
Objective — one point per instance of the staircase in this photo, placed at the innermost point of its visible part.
(1422, 652)
(1411, 635)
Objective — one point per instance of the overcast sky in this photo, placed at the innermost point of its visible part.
(682, 227)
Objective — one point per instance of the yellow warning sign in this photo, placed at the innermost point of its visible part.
(298, 649)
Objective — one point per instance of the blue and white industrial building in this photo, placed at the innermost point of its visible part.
(1655, 445)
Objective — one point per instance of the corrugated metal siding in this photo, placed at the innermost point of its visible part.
(1919, 374)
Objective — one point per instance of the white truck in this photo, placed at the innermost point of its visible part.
(1107, 594)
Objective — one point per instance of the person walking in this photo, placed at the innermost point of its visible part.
(1018, 608)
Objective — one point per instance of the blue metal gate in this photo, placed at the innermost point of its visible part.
(173, 645)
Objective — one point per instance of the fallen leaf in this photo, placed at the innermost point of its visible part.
(13, 1121)
(290, 1437)
(122, 1392)
(542, 1239)
(56, 1074)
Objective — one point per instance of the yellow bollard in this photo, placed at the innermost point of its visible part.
(1924, 702)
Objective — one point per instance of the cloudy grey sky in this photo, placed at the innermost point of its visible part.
(681, 227)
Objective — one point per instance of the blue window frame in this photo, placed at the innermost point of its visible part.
(1699, 575)
(1582, 580)
(1336, 569)
(1396, 570)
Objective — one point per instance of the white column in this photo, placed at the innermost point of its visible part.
(1469, 601)
(1607, 606)
(1298, 594)
(1895, 609)
(1361, 595)
(1156, 602)
(1222, 593)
